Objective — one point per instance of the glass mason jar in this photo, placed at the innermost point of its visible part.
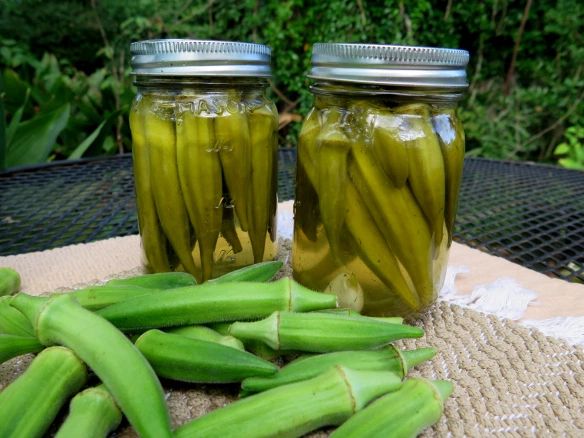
(204, 142)
(380, 159)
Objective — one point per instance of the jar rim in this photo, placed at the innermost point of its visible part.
(190, 57)
(394, 65)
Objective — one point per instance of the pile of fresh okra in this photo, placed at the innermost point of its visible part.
(129, 332)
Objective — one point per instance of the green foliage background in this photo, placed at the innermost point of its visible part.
(70, 58)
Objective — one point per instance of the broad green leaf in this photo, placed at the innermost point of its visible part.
(15, 90)
(562, 149)
(3, 141)
(84, 145)
(34, 139)
(15, 121)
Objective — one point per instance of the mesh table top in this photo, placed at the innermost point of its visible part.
(530, 214)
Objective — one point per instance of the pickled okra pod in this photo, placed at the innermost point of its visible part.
(263, 125)
(228, 230)
(178, 357)
(153, 239)
(134, 386)
(418, 404)
(451, 138)
(29, 405)
(296, 409)
(232, 136)
(388, 358)
(93, 413)
(166, 162)
(321, 332)
(426, 166)
(199, 171)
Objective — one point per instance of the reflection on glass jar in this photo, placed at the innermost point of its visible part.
(379, 168)
(205, 159)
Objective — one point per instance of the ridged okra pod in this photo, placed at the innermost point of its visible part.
(426, 166)
(12, 346)
(159, 280)
(350, 312)
(12, 321)
(263, 126)
(98, 297)
(388, 358)
(9, 281)
(191, 360)
(404, 413)
(134, 386)
(451, 137)
(29, 405)
(322, 332)
(199, 170)
(93, 413)
(332, 146)
(399, 219)
(214, 302)
(165, 166)
(203, 333)
(259, 272)
(296, 409)
(153, 239)
(234, 142)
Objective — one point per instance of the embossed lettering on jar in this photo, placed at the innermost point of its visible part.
(380, 159)
(204, 138)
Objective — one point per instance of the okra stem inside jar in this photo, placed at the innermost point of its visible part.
(205, 155)
(378, 175)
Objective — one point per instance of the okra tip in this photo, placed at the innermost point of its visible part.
(444, 388)
(412, 358)
(303, 299)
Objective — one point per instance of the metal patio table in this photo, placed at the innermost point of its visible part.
(531, 214)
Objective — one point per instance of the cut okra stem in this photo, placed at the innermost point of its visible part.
(214, 302)
(322, 332)
(296, 409)
(385, 359)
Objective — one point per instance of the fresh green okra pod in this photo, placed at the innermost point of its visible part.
(29, 405)
(255, 347)
(201, 182)
(159, 280)
(385, 359)
(12, 321)
(93, 413)
(9, 281)
(12, 346)
(165, 165)
(296, 409)
(322, 332)
(134, 386)
(404, 413)
(353, 313)
(214, 302)
(153, 239)
(203, 333)
(98, 297)
(192, 360)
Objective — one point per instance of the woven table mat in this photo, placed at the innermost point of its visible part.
(509, 380)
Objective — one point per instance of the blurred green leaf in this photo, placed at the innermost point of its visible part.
(34, 139)
(80, 150)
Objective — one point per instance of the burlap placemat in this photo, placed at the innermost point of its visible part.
(509, 380)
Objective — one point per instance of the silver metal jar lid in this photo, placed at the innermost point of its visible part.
(402, 66)
(183, 57)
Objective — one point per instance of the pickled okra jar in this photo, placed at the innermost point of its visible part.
(380, 159)
(204, 141)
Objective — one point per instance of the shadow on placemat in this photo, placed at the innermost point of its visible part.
(508, 379)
